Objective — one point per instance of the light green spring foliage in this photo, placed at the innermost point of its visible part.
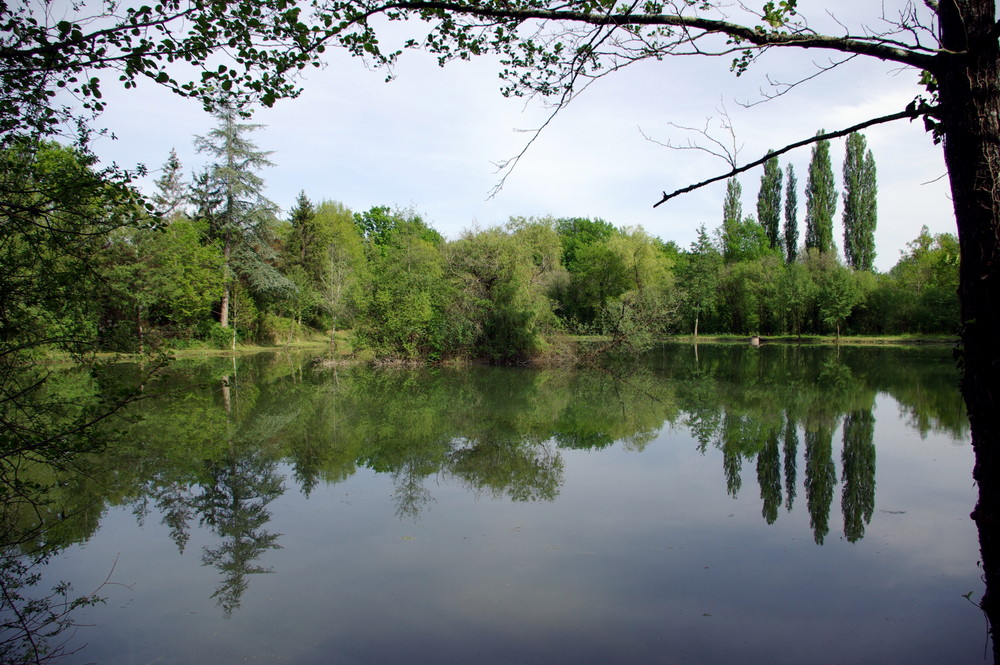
(323, 254)
(927, 279)
(732, 217)
(166, 274)
(698, 278)
(502, 279)
(402, 308)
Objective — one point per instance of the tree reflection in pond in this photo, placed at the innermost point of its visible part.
(214, 457)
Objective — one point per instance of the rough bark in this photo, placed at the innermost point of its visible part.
(970, 99)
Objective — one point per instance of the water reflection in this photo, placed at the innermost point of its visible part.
(213, 454)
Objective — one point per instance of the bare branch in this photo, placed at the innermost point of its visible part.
(782, 88)
(729, 154)
(906, 114)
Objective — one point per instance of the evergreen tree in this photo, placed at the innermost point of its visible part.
(821, 199)
(303, 233)
(791, 217)
(732, 215)
(769, 202)
(171, 196)
(240, 216)
(860, 205)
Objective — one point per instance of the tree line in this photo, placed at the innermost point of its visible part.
(209, 259)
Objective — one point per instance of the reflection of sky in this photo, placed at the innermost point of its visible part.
(643, 557)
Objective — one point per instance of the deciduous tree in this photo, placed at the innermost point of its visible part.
(860, 203)
(821, 199)
(769, 202)
(791, 229)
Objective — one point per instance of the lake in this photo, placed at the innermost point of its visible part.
(719, 504)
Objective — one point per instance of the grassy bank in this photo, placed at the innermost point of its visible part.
(855, 340)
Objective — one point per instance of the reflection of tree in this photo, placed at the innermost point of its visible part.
(520, 469)
(174, 501)
(409, 493)
(769, 478)
(234, 504)
(791, 445)
(858, 456)
(821, 476)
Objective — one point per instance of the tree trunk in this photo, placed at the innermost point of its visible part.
(969, 84)
(138, 327)
(224, 307)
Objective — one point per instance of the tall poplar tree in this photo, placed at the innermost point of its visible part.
(769, 202)
(791, 216)
(240, 217)
(821, 199)
(732, 215)
(860, 204)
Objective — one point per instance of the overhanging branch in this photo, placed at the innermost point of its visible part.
(906, 114)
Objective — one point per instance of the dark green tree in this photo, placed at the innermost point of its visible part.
(302, 237)
(769, 202)
(860, 203)
(821, 478)
(857, 500)
(791, 217)
(242, 219)
(769, 477)
(821, 199)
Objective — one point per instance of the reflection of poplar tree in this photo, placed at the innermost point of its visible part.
(821, 476)
(732, 465)
(858, 498)
(769, 477)
(791, 458)
(234, 505)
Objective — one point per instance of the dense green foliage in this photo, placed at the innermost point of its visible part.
(821, 199)
(769, 202)
(791, 228)
(504, 294)
(860, 203)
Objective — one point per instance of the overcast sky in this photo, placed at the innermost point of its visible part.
(429, 139)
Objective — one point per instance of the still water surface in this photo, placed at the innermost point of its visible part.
(773, 505)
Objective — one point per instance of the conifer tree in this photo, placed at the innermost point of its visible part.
(791, 217)
(769, 202)
(239, 215)
(303, 220)
(821, 199)
(860, 205)
(171, 197)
